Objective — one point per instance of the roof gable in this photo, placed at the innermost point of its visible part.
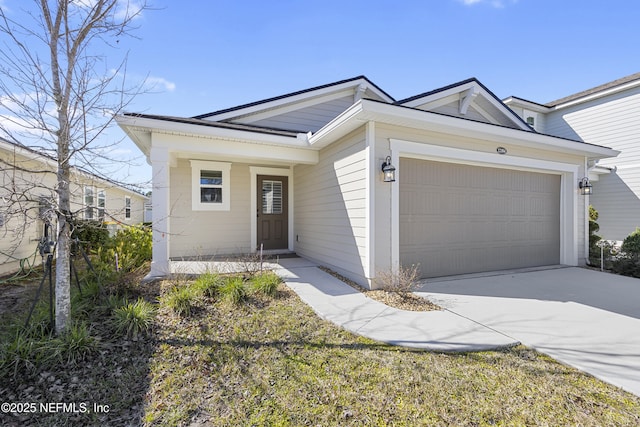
(303, 111)
(468, 99)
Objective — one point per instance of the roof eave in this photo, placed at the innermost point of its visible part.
(366, 110)
(138, 128)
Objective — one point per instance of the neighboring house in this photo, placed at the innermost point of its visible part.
(605, 115)
(27, 192)
(476, 188)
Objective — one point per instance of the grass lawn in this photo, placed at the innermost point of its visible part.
(272, 361)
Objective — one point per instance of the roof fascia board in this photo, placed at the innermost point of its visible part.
(367, 110)
(596, 95)
(280, 101)
(529, 105)
(164, 126)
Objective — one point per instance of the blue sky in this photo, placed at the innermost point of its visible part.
(218, 54)
(205, 55)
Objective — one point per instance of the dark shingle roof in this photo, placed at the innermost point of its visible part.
(593, 90)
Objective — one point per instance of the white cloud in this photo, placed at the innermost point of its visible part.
(498, 4)
(160, 83)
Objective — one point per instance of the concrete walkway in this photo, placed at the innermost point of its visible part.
(583, 318)
(339, 303)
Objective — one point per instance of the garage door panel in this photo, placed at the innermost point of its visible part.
(457, 219)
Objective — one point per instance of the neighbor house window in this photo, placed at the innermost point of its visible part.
(531, 121)
(89, 202)
(210, 184)
(102, 201)
(127, 207)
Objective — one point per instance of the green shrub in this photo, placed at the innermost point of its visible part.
(265, 283)
(208, 284)
(131, 247)
(233, 290)
(631, 244)
(134, 318)
(91, 234)
(180, 300)
(627, 262)
(594, 249)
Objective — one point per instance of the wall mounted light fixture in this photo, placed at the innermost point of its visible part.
(388, 170)
(585, 186)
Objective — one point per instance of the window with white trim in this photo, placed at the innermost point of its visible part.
(210, 186)
(127, 207)
(271, 197)
(102, 201)
(89, 202)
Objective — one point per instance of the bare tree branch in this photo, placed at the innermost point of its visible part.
(55, 88)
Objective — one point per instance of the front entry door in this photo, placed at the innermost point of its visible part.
(272, 215)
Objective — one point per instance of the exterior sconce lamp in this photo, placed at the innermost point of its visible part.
(585, 186)
(388, 170)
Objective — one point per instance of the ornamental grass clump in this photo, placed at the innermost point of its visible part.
(208, 285)
(233, 290)
(265, 283)
(135, 318)
(73, 346)
(181, 300)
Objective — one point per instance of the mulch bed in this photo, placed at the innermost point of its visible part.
(403, 301)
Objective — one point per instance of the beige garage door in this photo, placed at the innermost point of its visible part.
(457, 219)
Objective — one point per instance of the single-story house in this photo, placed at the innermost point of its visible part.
(609, 115)
(27, 191)
(475, 188)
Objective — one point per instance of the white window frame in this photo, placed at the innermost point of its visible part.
(197, 166)
(127, 207)
(88, 206)
(101, 193)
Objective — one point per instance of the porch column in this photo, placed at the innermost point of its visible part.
(160, 164)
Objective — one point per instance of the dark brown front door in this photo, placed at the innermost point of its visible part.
(273, 222)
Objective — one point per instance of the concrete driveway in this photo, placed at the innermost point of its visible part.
(580, 317)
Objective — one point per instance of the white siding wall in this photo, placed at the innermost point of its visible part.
(308, 119)
(330, 197)
(613, 122)
(207, 233)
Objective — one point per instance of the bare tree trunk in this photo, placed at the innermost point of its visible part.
(63, 271)
(59, 99)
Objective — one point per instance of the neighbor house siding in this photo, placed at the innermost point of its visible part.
(208, 233)
(308, 119)
(611, 121)
(617, 204)
(330, 213)
(21, 226)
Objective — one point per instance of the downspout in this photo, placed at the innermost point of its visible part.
(587, 202)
